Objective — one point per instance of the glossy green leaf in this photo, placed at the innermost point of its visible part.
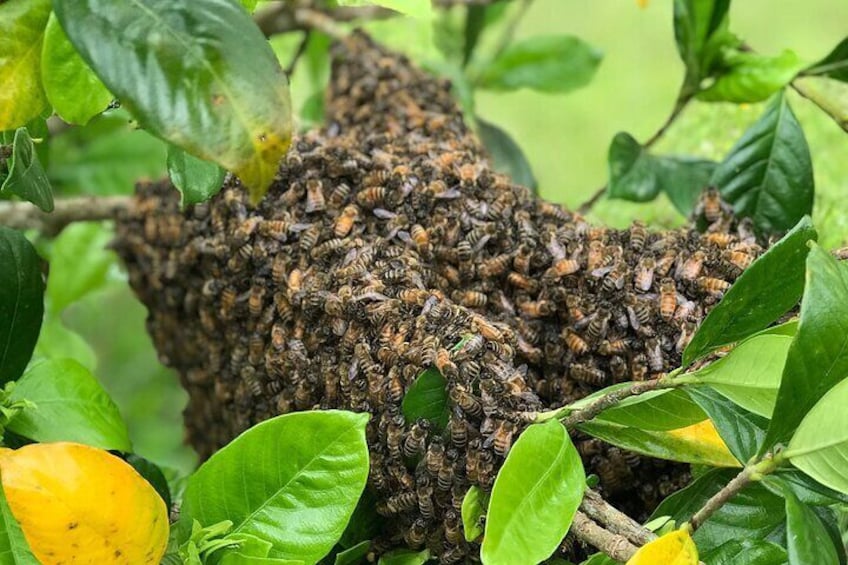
(14, 549)
(105, 157)
(820, 444)
(196, 179)
(658, 410)
(473, 509)
(535, 497)
(507, 156)
(547, 63)
(638, 176)
(808, 490)
(778, 274)
(750, 374)
(151, 473)
(79, 263)
(21, 302)
(751, 77)
(26, 177)
(353, 555)
(72, 88)
(21, 34)
(57, 341)
(212, 83)
(69, 405)
(818, 356)
(427, 398)
(768, 173)
(835, 65)
(405, 557)
(746, 552)
(807, 540)
(742, 431)
(754, 513)
(305, 470)
(662, 444)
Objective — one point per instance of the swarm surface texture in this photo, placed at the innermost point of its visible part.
(388, 245)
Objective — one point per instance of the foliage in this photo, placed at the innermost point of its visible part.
(767, 399)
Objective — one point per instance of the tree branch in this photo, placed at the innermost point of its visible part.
(282, 17)
(614, 545)
(614, 520)
(23, 215)
(836, 112)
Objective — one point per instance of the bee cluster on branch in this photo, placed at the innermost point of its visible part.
(387, 240)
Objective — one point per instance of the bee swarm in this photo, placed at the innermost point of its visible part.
(385, 240)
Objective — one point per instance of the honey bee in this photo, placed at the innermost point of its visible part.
(597, 327)
(574, 342)
(398, 503)
(615, 279)
(465, 401)
(653, 352)
(495, 266)
(421, 238)
(256, 299)
(470, 298)
(339, 194)
(738, 259)
(445, 365)
(668, 298)
(371, 197)
(425, 501)
(345, 221)
(617, 346)
(434, 458)
(644, 278)
(211, 288)
(314, 196)
(710, 205)
(537, 308)
(246, 229)
(638, 236)
(228, 302)
(256, 349)
(521, 261)
(663, 264)
(501, 438)
(394, 435)
(618, 369)
(309, 237)
(520, 281)
(458, 429)
(691, 267)
(587, 374)
(595, 257)
(414, 440)
(562, 268)
(639, 367)
(453, 531)
(713, 285)
(719, 239)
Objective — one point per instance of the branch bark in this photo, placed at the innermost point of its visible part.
(614, 520)
(614, 545)
(23, 215)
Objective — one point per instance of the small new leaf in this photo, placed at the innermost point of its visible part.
(751, 77)
(473, 509)
(26, 177)
(427, 398)
(196, 179)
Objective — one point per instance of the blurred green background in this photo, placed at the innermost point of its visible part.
(565, 138)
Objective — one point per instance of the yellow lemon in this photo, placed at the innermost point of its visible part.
(78, 504)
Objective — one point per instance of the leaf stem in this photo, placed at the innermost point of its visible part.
(509, 31)
(751, 472)
(679, 105)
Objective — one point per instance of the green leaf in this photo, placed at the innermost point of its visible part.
(777, 274)
(427, 398)
(658, 410)
(746, 552)
(79, 263)
(661, 444)
(751, 77)
(196, 179)
(507, 156)
(69, 405)
(742, 431)
(638, 176)
(754, 513)
(805, 488)
(807, 540)
(151, 473)
(72, 88)
(249, 5)
(56, 341)
(835, 65)
(405, 557)
(21, 33)
(21, 303)
(212, 84)
(305, 470)
(768, 174)
(750, 374)
(353, 555)
(105, 157)
(473, 508)
(364, 524)
(535, 497)
(700, 31)
(818, 356)
(547, 63)
(26, 177)
(14, 549)
(820, 444)
(475, 22)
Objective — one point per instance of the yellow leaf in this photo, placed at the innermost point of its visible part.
(78, 504)
(704, 436)
(674, 548)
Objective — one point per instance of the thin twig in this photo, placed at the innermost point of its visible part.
(23, 215)
(281, 17)
(679, 105)
(614, 520)
(614, 545)
(301, 49)
(313, 19)
(509, 31)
